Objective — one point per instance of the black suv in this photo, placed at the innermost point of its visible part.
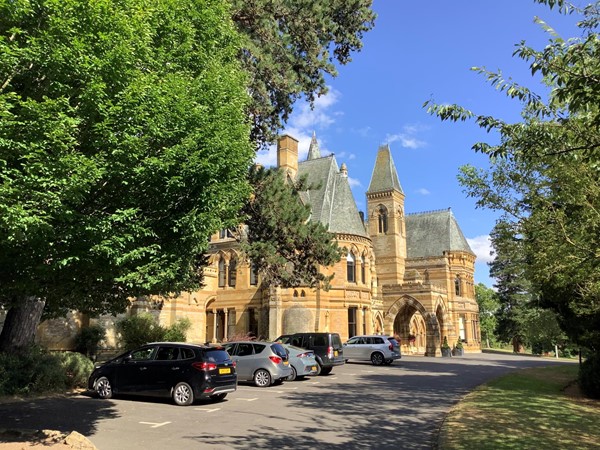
(184, 372)
(326, 346)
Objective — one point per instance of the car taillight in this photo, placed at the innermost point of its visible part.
(204, 366)
(330, 352)
(275, 359)
(391, 347)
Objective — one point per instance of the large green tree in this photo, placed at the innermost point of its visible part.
(487, 300)
(290, 47)
(555, 154)
(287, 248)
(124, 144)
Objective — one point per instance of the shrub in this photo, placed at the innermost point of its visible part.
(77, 368)
(88, 340)
(589, 376)
(138, 330)
(177, 332)
(37, 371)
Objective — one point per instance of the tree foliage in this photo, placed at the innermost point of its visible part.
(286, 247)
(289, 48)
(487, 300)
(545, 175)
(123, 146)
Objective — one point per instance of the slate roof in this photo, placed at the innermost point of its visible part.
(332, 203)
(432, 233)
(384, 177)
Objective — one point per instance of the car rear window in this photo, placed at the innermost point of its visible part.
(279, 350)
(218, 356)
(336, 341)
(394, 342)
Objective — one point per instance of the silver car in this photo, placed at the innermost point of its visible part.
(264, 363)
(375, 348)
(303, 362)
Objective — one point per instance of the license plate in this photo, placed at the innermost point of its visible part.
(335, 353)
(224, 371)
(286, 363)
(313, 368)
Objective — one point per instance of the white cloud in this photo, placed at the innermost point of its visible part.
(423, 191)
(407, 137)
(482, 246)
(319, 116)
(353, 182)
(301, 125)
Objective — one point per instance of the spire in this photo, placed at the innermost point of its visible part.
(385, 177)
(313, 150)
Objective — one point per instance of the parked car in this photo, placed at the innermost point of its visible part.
(303, 362)
(264, 363)
(377, 349)
(184, 372)
(326, 346)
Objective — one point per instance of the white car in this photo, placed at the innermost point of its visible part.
(375, 348)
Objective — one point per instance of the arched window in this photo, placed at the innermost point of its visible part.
(232, 272)
(351, 267)
(221, 272)
(382, 216)
(457, 285)
(362, 270)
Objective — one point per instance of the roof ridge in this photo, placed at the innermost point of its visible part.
(433, 211)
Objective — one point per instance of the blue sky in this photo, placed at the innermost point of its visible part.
(419, 51)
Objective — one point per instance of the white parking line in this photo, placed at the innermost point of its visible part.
(247, 399)
(155, 425)
(207, 409)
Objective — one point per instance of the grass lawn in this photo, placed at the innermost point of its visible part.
(530, 409)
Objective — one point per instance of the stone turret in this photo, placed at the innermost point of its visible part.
(385, 203)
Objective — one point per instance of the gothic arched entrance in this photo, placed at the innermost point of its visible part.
(418, 329)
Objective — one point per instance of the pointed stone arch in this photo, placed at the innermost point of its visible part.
(397, 320)
(444, 319)
(378, 323)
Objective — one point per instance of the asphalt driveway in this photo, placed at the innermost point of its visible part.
(357, 406)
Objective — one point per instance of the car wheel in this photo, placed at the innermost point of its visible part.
(262, 378)
(293, 375)
(326, 370)
(377, 359)
(183, 395)
(217, 397)
(103, 388)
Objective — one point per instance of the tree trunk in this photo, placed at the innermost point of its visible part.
(20, 325)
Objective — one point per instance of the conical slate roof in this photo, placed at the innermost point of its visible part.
(332, 203)
(384, 177)
(433, 233)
